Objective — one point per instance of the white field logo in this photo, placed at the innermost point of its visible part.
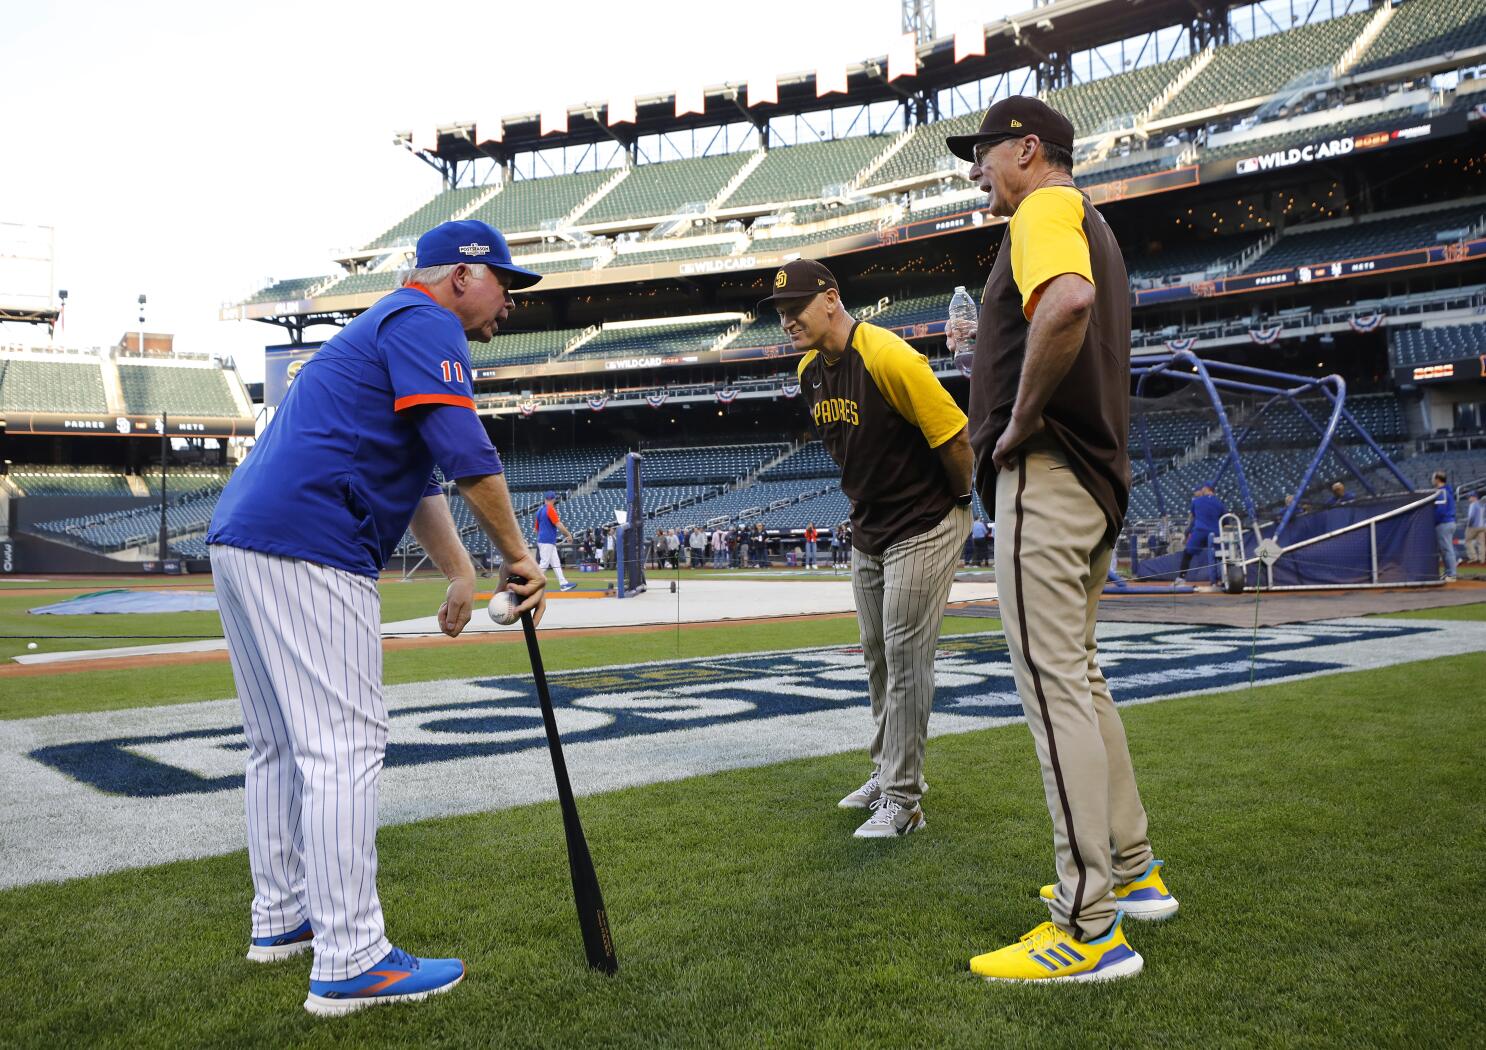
(86, 794)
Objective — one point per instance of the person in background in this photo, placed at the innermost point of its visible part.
(1444, 523)
(811, 535)
(698, 543)
(978, 540)
(720, 548)
(1475, 529)
(1339, 495)
(1207, 509)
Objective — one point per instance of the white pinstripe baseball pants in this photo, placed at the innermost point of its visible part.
(900, 600)
(306, 649)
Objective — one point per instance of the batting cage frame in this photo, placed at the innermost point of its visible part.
(1382, 539)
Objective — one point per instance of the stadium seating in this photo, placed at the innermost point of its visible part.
(660, 190)
(713, 464)
(525, 205)
(188, 513)
(569, 264)
(810, 460)
(559, 471)
(69, 481)
(518, 348)
(183, 391)
(1422, 346)
(186, 479)
(1262, 67)
(32, 385)
(1095, 103)
(441, 209)
(292, 288)
(798, 240)
(671, 336)
(682, 250)
(1179, 261)
(359, 283)
(1425, 28)
(806, 171)
(925, 152)
(1357, 240)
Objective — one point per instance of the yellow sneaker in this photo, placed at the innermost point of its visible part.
(1050, 954)
(1145, 898)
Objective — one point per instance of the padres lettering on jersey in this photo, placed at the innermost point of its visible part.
(835, 410)
(880, 412)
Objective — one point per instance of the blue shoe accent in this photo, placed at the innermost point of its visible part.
(569, 586)
(1113, 928)
(399, 977)
(282, 946)
(1117, 954)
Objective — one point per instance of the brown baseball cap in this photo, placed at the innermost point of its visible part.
(1011, 118)
(801, 278)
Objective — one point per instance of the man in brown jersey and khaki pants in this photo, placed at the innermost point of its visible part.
(902, 446)
(1049, 416)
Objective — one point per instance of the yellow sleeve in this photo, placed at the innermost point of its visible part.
(1048, 240)
(800, 369)
(909, 384)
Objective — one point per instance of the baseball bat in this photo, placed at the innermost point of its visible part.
(593, 920)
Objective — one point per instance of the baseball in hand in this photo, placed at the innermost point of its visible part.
(503, 608)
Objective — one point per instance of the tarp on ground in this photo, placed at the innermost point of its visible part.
(126, 601)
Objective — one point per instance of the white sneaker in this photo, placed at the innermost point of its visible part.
(864, 796)
(890, 819)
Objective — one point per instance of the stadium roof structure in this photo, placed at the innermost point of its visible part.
(1042, 39)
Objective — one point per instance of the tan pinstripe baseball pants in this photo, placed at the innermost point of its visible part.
(1051, 561)
(900, 600)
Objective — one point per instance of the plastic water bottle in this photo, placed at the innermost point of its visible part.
(963, 324)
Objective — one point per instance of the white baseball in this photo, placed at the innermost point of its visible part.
(503, 608)
(30, 645)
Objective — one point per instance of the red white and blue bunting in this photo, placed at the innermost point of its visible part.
(656, 400)
(727, 395)
(1181, 345)
(790, 389)
(1265, 336)
(598, 403)
(1365, 322)
(527, 407)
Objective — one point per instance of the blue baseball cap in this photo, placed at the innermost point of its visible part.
(549, 494)
(471, 241)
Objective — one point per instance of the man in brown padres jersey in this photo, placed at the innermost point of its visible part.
(1049, 414)
(901, 443)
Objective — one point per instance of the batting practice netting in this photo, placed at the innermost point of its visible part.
(1311, 496)
(629, 539)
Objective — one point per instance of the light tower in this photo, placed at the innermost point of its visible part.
(918, 19)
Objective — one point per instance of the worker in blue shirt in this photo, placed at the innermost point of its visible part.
(1444, 523)
(1339, 495)
(1207, 508)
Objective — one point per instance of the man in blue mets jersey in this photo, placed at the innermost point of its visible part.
(298, 540)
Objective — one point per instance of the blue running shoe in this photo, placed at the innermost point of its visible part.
(272, 949)
(399, 977)
(570, 586)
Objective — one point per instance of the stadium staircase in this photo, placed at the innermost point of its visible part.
(1251, 255)
(737, 180)
(748, 480)
(860, 178)
(586, 336)
(113, 387)
(591, 485)
(1370, 32)
(1187, 74)
(570, 220)
(478, 202)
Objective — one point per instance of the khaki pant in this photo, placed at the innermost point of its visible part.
(1475, 544)
(1051, 562)
(900, 600)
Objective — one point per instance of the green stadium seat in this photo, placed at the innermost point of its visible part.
(804, 172)
(661, 190)
(1425, 28)
(1262, 67)
(527, 204)
(441, 209)
(176, 389)
(33, 385)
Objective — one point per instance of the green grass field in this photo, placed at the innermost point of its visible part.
(1325, 842)
(1324, 837)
